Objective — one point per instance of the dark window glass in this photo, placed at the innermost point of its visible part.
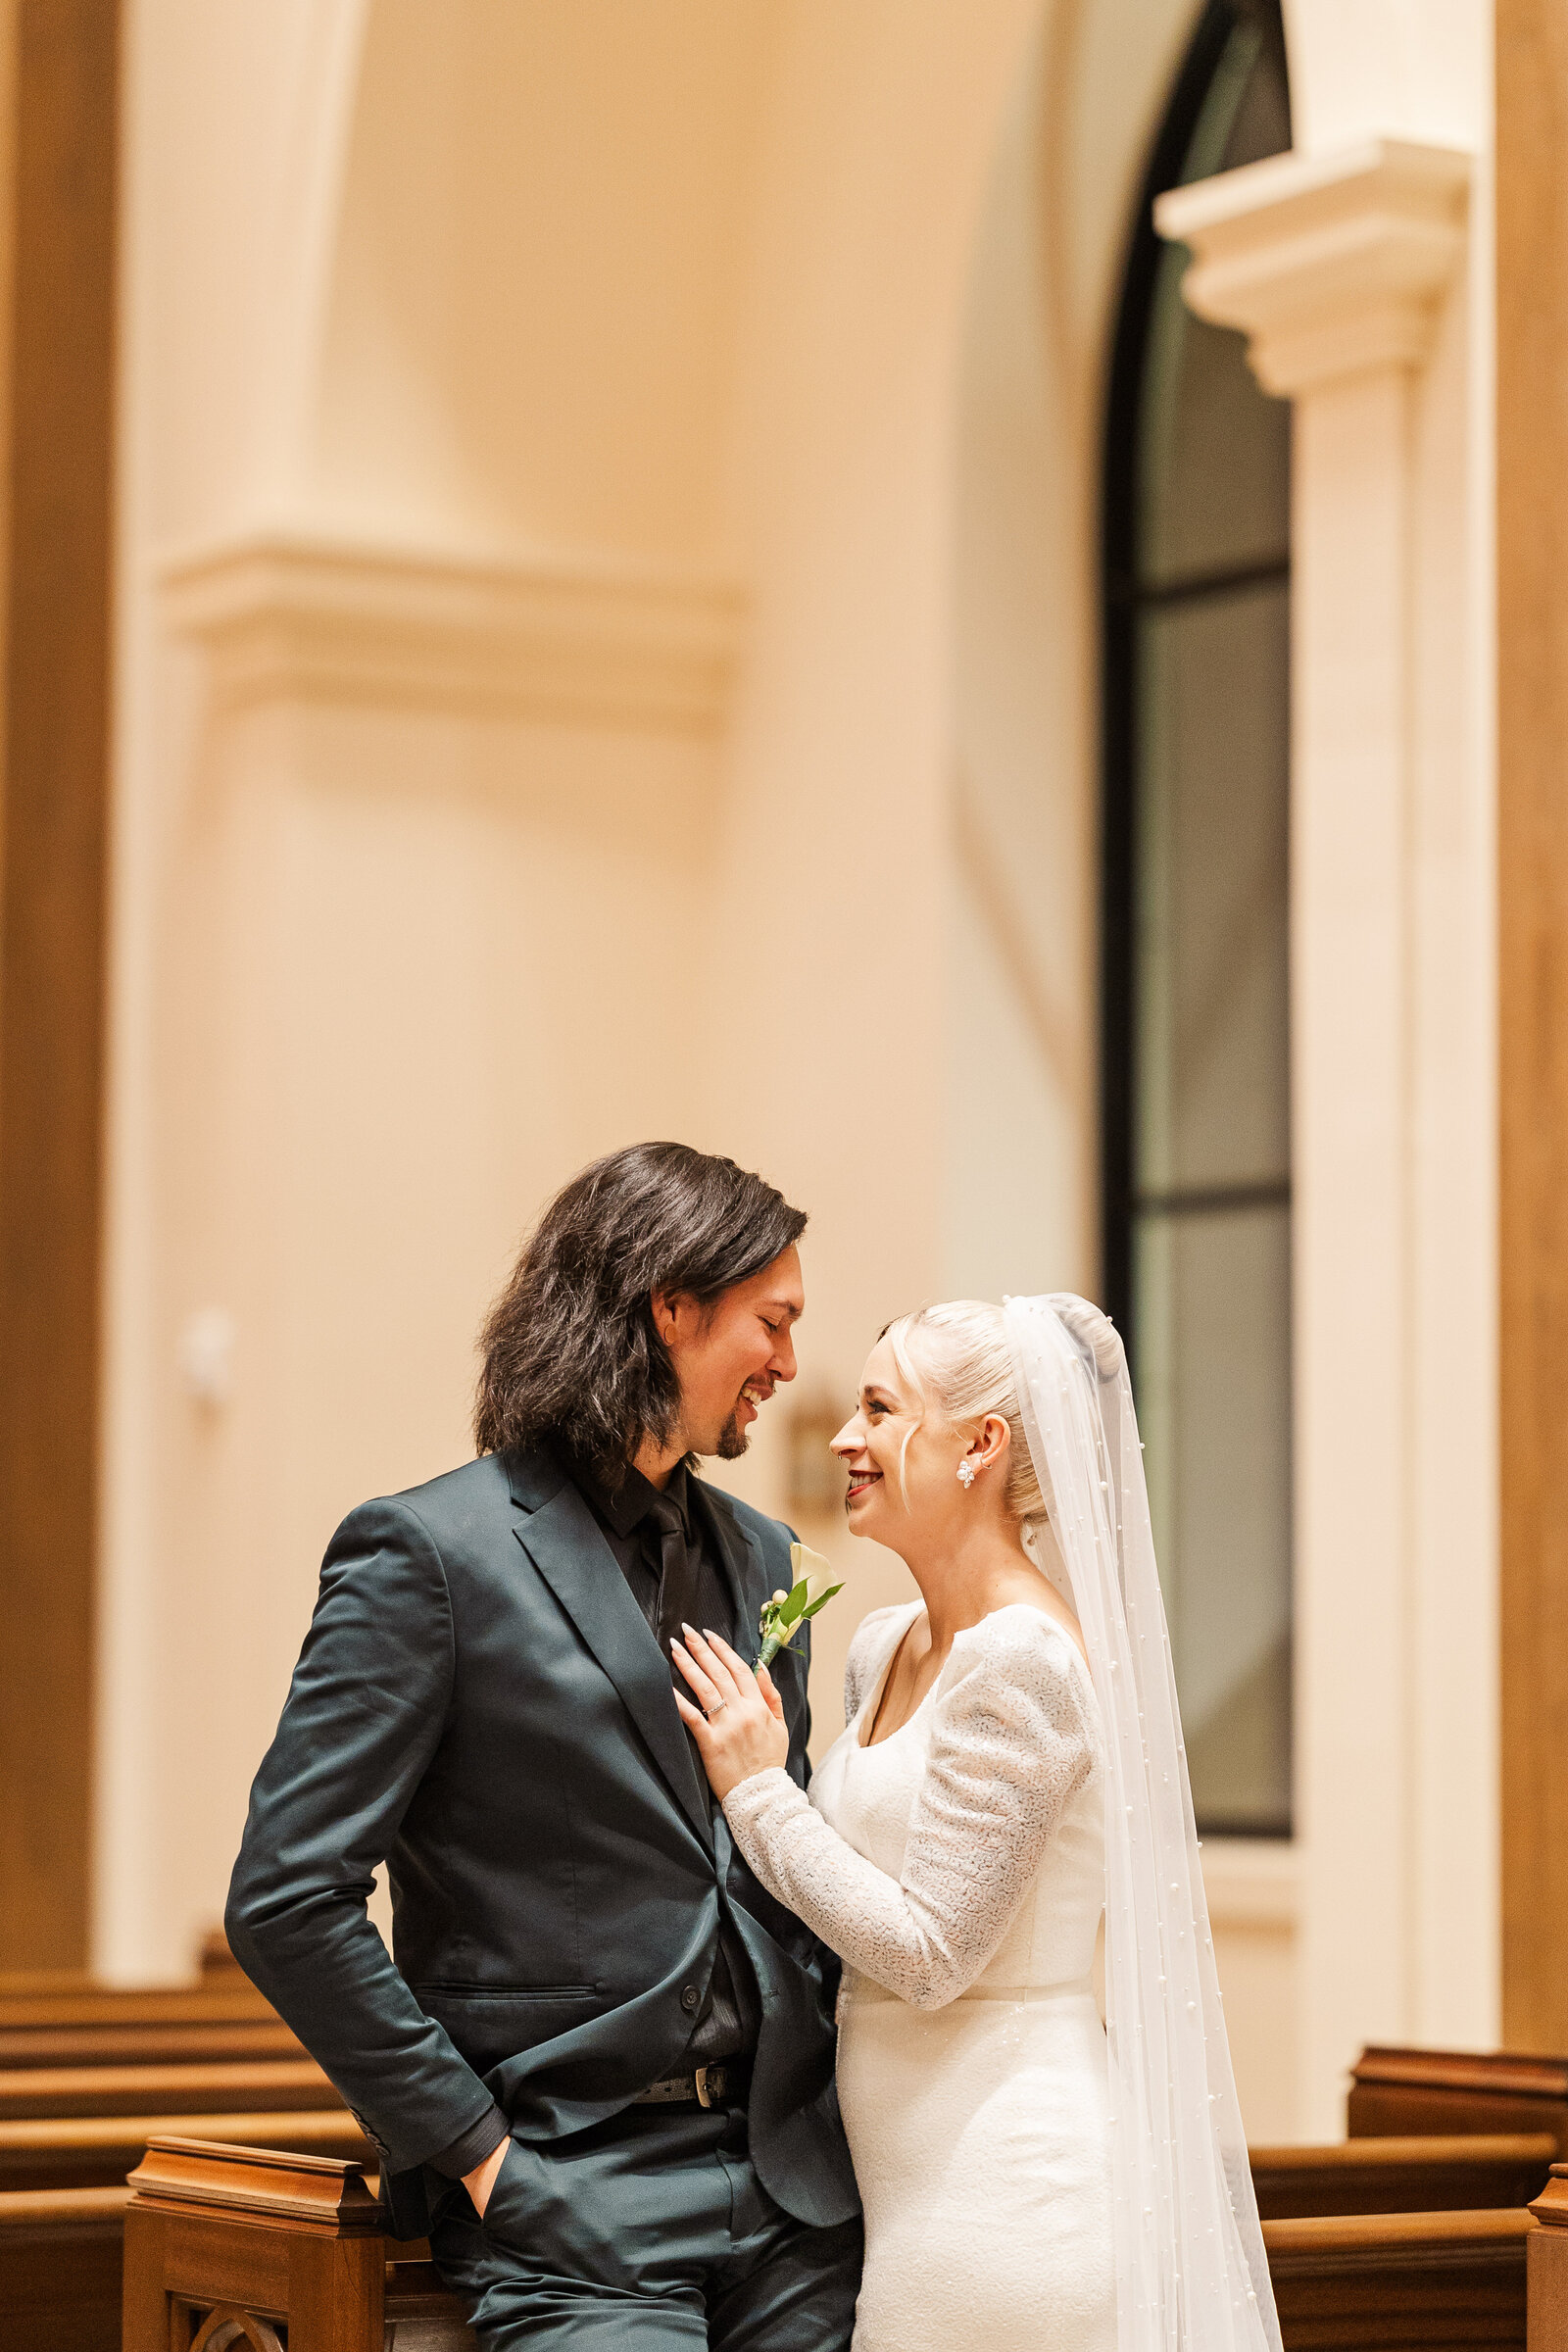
(1196, 1054)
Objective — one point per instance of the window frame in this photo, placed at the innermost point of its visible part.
(1124, 599)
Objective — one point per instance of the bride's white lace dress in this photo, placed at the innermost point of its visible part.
(958, 1869)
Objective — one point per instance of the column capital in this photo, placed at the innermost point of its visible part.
(1330, 265)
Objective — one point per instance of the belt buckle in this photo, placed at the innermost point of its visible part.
(704, 2078)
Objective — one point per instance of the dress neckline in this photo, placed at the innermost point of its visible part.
(916, 1608)
(873, 1697)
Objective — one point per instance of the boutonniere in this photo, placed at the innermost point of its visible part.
(786, 1612)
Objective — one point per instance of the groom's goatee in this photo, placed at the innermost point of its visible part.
(569, 1352)
(733, 1441)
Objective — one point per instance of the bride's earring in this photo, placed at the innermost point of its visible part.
(967, 1475)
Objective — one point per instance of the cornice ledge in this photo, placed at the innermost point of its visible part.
(288, 616)
(1330, 265)
(1252, 1884)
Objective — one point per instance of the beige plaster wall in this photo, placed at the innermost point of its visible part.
(539, 264)
(796, 299)
(385, 973)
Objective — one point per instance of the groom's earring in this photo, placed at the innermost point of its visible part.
(967, 1475)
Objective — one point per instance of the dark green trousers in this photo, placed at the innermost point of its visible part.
(647, 2233)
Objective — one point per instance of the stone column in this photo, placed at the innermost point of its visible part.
(1337, 267)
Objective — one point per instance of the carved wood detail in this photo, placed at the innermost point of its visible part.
(226, 2325)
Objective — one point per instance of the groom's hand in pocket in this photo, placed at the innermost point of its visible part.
(482, 2179)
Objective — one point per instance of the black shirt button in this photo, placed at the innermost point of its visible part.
(690, 1998)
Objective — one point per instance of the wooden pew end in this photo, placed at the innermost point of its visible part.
(227, 2244)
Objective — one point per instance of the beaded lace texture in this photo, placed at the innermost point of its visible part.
(1013, 1736)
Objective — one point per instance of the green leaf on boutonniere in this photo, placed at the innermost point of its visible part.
(786, 1612)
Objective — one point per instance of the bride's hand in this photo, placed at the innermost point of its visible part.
(738, 1722)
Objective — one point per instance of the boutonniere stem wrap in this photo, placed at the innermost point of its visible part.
(783, 1616)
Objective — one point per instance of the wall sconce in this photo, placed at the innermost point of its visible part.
(816, 1479)
(207, 1356)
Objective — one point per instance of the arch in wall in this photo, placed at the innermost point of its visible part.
(1022, 1191)
(1194, 1044)
(1075, 344)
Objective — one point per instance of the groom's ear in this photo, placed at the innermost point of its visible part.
(662, 1304)
(678, 1315)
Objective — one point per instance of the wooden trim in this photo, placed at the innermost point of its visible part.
(312, 2193)
(1548, 2263)
(1401, 2278)
(1531, 101)
(1465, 2172)
(83, 2151)
(29, 2005)
(52, 895)
(29, 2094)
(1509, 2073)
(1378, 2240)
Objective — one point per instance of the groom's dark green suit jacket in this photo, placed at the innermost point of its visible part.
(480, 1704)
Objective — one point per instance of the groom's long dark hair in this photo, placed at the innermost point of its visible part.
(569, 1348)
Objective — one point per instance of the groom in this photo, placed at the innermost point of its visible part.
(600, 2069)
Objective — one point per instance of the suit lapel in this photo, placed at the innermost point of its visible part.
(747, 1570)
(742, 1558)
(563, 1540)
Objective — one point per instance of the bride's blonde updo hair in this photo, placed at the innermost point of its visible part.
(957, 1359)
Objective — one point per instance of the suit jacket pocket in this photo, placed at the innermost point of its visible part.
(443, 1990)
(490, 2023)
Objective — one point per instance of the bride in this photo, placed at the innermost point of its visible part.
(1012, 1769)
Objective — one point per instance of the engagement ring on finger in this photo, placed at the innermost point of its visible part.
(718, 1710)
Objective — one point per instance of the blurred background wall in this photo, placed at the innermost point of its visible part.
(639, 609)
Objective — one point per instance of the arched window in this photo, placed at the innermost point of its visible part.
(1196, 1172)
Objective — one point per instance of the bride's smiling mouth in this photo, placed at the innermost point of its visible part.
(861, 1482)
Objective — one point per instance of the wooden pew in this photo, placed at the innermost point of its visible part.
(1369, 2282)
(1547, 2264)
(66, 2022)
(70, 1993)
(1395, 2090)
(164, 2057)
(61, 2245)
(1331, 2183)
(229, 2245)
(1426, 2175)
(86, 2073)
(97, 2152)
(29, 2094)
(60, 2270)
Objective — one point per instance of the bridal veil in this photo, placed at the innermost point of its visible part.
(1191, 2271)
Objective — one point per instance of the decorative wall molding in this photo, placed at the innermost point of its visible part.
(298, 619)
(1329, 263)
(1253, 1885)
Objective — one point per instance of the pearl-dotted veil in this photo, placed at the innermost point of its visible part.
(1191, 2271)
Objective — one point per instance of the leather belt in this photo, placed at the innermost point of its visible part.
(709, 2086)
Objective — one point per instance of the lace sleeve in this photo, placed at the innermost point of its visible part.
(1010, 1743)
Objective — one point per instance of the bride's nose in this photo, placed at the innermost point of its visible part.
(851, 1438)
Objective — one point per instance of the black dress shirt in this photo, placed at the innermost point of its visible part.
(669, 1556)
